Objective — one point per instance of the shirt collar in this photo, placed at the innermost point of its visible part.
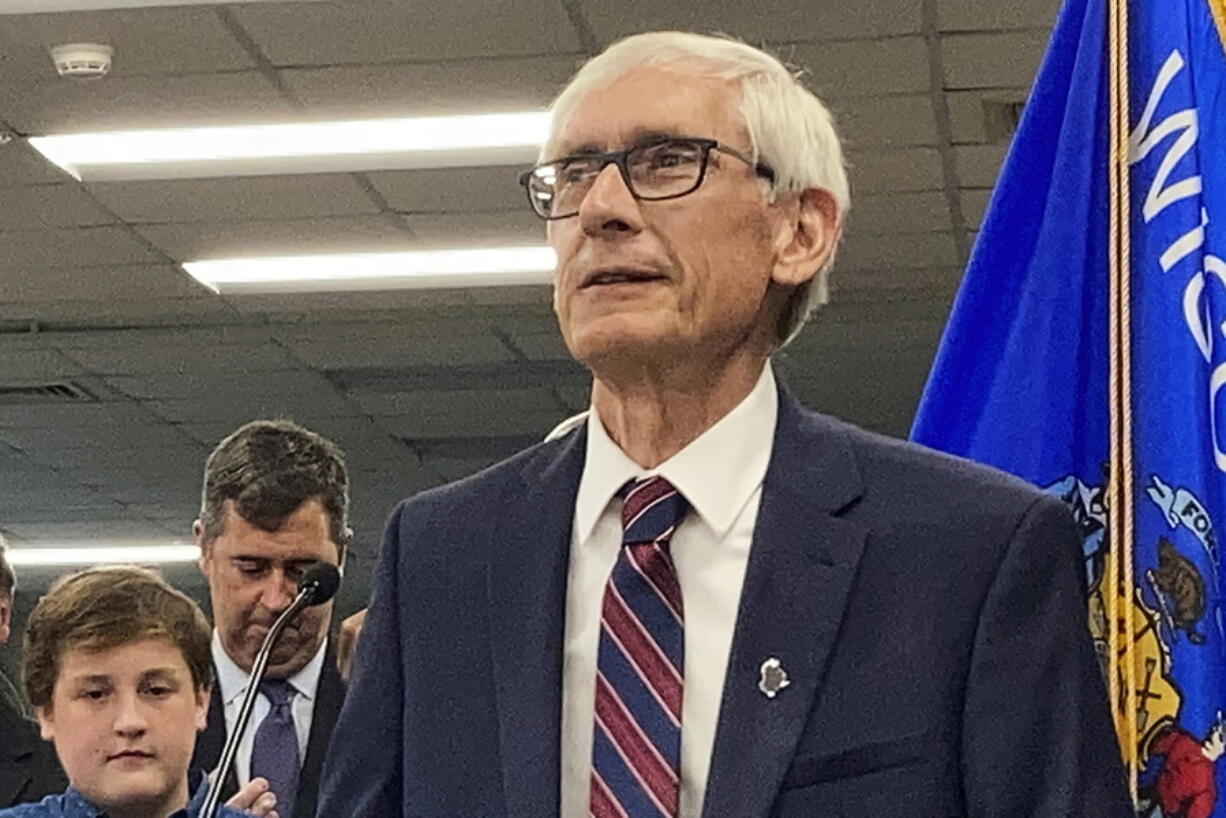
(77, 804)
(744, 436)
(232, 679)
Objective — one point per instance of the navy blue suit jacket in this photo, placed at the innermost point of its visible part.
(929, 612)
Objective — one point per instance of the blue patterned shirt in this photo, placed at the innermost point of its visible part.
(72, 804)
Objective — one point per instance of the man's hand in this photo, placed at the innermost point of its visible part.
(255, 799)
(351, 629)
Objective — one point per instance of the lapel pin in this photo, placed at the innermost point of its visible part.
(772, 678)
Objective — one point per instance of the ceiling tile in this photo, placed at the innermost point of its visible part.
(857, 68)
(153, 359)
(976, 15)
(519, 226)
(464, 86)
(336, 353)
(457, 404)
(978, 165)
(116, 283)
(776, 21)
(890, 253)
(239, 409)
(892, 213)
(490, 419)
(284, 384)
(451, 190)
(155, 41)
(878, 284)
(886, 122)
(121, 313)
(22, 165)
(72, 415)
(902, 169)
(337, 303)
(143, 102)
(542, 346)
(236, 199)
(36, 365)
(201, 240)
(974, 205)
(992, 60)
(189, 454)
(966, 111)
(117, 435)
(48, 206)
(391, 31)
(67, 247)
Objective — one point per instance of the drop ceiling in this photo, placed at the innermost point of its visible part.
(419, 386)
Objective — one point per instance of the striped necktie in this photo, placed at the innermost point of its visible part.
(636, 744)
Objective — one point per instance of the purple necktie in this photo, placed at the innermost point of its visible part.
(274, 754)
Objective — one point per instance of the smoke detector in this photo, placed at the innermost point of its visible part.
(83, 61)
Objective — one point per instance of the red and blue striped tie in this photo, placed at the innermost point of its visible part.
(636, 746)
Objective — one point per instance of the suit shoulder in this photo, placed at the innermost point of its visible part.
(914, 474)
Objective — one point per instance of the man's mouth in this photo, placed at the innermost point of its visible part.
(140, 754)
(604, 278)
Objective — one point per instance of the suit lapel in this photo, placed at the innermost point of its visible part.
(329, 697)
(16, 772)
(211, 740)
(527, 578)
(801, 567)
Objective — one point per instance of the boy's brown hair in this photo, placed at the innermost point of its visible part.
(107, 606)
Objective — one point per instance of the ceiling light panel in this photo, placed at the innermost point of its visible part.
(97, 553)
(420, 269)
(306, 147)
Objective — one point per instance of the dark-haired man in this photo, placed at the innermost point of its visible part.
(275, 500)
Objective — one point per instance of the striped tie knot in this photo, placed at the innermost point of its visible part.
(651, 510)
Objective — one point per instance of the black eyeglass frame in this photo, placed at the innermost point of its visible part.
(621, 160)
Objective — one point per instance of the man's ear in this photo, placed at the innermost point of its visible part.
(202, 544)
(6, 620)
(202, 707)
(46, 724)
(806, 235)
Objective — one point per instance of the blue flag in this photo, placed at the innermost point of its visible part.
(1021, 376)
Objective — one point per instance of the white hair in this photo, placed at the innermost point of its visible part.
(790, 129)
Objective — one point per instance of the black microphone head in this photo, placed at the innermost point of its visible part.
(320, 581)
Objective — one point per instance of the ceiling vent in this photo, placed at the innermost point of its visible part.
(1001, 118)
(45, 393)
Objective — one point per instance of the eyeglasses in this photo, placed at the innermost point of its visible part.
(664, 169)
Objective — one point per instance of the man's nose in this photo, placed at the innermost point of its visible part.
(130, 717)
(609, 207)
(277, 591)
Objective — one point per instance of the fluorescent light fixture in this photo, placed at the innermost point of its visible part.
(418, 269)
(40, 6)
(101, 552)
(304, 147)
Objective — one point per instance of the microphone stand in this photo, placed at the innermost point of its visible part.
(304, 599)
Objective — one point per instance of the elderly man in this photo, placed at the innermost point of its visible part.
(706, 600)
(275, 501)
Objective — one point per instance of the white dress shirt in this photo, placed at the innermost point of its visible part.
(232, 684)
(721, 474)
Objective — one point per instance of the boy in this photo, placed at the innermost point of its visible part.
(118, 668)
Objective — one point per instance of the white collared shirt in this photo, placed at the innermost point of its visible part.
(232, 684)
(721, 474)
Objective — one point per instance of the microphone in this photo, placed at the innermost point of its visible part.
(317, 585)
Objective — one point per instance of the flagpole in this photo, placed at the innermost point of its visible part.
(1122, 665)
